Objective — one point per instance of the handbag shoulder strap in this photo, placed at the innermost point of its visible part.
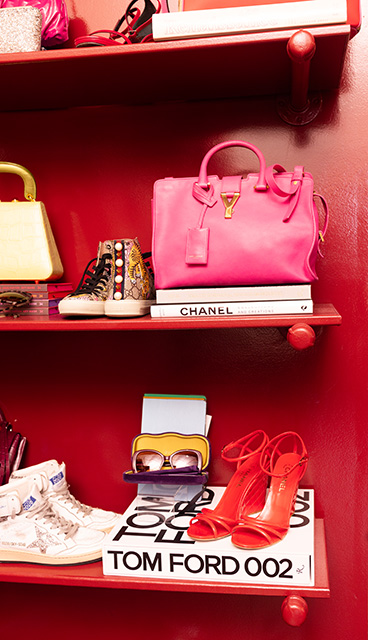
(295, 182)
(295, 186)
(327, 215)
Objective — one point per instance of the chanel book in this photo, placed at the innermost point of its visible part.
(234, 294)
(208, 309)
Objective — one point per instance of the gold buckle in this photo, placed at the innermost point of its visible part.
(229, 204)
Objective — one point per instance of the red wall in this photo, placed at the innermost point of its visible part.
(78, 396)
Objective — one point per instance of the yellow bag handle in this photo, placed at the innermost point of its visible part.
(22, 172)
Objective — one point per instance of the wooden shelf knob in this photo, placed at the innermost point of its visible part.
(294, 610)
(301, 46)
(301, 108)
(301, 336)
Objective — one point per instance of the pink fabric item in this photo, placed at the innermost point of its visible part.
(270, 234)
(55, 21)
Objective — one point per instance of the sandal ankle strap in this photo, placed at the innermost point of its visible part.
(287, 442)
(250, 444)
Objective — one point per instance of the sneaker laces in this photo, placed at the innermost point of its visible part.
(68, 497)
(95, 280)
(46, 512)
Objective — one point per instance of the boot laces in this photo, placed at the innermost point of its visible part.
(95, 280)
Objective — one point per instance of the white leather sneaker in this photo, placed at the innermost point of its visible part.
(51, 479)
(31, 531)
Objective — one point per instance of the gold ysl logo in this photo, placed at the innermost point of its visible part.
(229, 204)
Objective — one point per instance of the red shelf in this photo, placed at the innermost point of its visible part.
(91, 576)
(153, 63)
(324, 314)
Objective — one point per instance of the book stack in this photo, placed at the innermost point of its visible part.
(257, 16)
(151, 541)
(45, 296)
(288, 299)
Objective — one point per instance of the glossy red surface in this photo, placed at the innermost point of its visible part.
(294, 610)
(301, 336)
(323, 314)
(77, 395)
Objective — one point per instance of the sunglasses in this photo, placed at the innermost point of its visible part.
(152, 460)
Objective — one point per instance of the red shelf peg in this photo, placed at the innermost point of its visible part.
(301, 336)
(294, 610)
(300, 109)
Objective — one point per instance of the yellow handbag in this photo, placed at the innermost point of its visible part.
(27, 246)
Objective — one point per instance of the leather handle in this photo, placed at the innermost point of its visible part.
(203, 175)
(22, 172)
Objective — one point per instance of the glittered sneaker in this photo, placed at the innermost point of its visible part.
(31, 530)
(51, 479)
(89, 297)
(132, 291)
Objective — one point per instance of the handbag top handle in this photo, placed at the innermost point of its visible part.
(261, 183)
(22, 172)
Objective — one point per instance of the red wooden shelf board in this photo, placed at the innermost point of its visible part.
(324, 314)
(154, 62)
(91, 576)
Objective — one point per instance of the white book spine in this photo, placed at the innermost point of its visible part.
(234, 294)
(232, 309)
(208, 22)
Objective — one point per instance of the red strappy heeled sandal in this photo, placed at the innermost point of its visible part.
(245, 493)
(135, 26)
(285, 460)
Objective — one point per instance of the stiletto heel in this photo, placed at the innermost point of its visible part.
(245, 493)
(285, 460)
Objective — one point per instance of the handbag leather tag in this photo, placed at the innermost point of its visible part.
(197, 246)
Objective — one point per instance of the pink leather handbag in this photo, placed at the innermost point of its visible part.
(261, 229)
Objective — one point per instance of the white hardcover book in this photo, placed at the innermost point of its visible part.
(213, 22)
(236, 294)
(161, 411)
(208, 309)
(151, 541)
